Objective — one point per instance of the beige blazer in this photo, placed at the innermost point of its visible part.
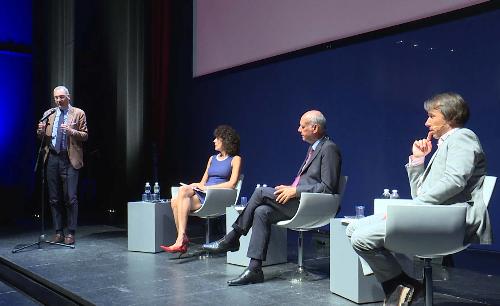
(75, 140)
(455, 176)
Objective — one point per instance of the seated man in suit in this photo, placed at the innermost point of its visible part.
(453, 176)
(319, 173)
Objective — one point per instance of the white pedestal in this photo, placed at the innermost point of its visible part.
(346, 275)
(276, 252)
(149, 226)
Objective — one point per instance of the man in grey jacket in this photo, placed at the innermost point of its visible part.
(453, 176)
(319, 172)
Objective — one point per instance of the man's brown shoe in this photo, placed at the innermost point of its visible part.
(401, 296)
(69, 239)
(58, 238)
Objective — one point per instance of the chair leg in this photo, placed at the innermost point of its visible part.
(207, 233)
(300, 274)
(300, 251)
(206, 255)
(428, 282)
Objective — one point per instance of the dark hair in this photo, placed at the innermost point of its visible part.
(453, 107)
(230, 139)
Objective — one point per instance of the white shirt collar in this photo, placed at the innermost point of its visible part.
(446, 135)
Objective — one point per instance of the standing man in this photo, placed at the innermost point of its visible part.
(64, 133)
(453, 176)
(319, 173)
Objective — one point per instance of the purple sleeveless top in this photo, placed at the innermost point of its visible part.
(219, 171)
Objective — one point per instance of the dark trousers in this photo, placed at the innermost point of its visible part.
(261, 212)
(62, 183)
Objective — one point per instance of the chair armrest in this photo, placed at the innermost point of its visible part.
(216, 201)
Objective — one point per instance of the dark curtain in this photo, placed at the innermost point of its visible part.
(160, 91)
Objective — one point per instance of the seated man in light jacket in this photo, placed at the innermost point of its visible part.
(453, 176)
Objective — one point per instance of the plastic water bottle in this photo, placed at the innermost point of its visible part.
(257, 186)
(147, 191)
(394, 194)
(386, 194)
(156, 190)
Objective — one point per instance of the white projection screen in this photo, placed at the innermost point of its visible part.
(229, 33)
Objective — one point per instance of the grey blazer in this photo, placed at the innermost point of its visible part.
(322, 171)
(455, 176)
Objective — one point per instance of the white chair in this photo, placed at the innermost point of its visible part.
(315, 210)
(428, 231)
(216, 202)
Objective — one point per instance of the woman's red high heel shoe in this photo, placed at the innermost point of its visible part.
(179, 249)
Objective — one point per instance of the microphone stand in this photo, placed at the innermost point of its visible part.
(41, 237)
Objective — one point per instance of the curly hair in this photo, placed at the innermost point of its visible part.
(230, 139)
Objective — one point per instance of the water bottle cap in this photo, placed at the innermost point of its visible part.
(386, 190)
(147, 183)
(394, 190)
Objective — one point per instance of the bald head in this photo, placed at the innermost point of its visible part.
(312, 126)
(316, 117)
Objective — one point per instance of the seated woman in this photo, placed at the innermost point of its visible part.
(223, 171)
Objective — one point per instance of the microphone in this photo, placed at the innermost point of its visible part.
(50, 112)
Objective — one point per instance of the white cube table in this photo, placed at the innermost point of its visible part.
(346, 275)
(149, 226)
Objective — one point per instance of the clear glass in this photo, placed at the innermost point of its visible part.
(243, 201)
(360, 211)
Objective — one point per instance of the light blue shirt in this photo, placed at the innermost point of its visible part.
(56, 121)
(316, 143)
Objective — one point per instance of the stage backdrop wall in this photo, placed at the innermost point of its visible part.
(17, 121)
(372, 94)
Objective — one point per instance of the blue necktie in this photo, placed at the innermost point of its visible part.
(60, 135)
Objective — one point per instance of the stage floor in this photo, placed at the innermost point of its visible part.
(103, 272)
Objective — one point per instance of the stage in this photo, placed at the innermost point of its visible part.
(101, 271)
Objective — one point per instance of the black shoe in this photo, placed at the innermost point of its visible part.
(221, 246)
(247, 277)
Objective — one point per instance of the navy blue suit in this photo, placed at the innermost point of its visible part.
(320, 174)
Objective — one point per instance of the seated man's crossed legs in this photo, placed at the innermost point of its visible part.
(261, 212)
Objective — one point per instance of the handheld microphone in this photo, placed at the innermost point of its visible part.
(50, 112)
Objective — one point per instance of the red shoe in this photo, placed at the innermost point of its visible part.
(179, 249)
